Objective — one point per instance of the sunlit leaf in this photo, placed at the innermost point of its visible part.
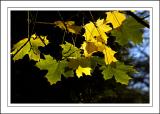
(109, 55)
(29, 47)
(80, 70)
(96, 31)
(55, 68)
(115, 18)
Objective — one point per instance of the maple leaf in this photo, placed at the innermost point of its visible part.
(29, 47)
(70, 50)
(73, 63)
(80, 70)
(109, 55)
(115, 18)
(55, 69)
(91, 47)
(119, 71)
(96, 31)
(68, 25)
(130, 30)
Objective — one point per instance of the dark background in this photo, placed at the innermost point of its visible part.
(28, 84)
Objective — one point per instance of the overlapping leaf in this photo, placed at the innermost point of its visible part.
(30, 47)
(96, 31)
(115, 18)
(55, 68)
(70, 50)
(69, 26)
(109, 55)
(119, 71)
(130, 30)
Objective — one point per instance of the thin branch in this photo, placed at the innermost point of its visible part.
(34, 22)
(21, 47)
(138, 19)
(47, 23)
(142, 51)
(145, 17)
(42, 40)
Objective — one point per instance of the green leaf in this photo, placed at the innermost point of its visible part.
(29, 47)
(129, 30)
(107, 72)
(55, 69)
(83, 62)
(68, 73)
(119, 71)
(70, 50)
(22, 50)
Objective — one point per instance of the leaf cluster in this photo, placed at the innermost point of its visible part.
(81, 61)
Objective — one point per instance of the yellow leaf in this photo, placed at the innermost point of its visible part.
(97, 30)
(80, 70)
(116, 18)
(91, 47)
(70, 25)
(109, 55)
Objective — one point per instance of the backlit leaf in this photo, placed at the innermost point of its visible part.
(119, 71)
(80, 70)
(109, 55)
(96, 31)
(25, 46)
(130, 30)
(70, 50)
(115, 18)
(55, 68)
(75, 63)
(91, 47)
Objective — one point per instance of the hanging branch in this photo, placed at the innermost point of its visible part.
(138, 19)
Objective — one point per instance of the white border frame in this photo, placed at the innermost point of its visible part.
(70, 104)
(7, 107)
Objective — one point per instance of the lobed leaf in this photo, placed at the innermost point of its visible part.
(55, 68)
(119, 71)
(30, 47)
(115, 18)
(70, 50)
(130, 30)
(80, 70)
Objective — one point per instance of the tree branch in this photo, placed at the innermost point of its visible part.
(138, 19)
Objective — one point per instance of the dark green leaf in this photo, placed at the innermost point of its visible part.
(130, 30)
